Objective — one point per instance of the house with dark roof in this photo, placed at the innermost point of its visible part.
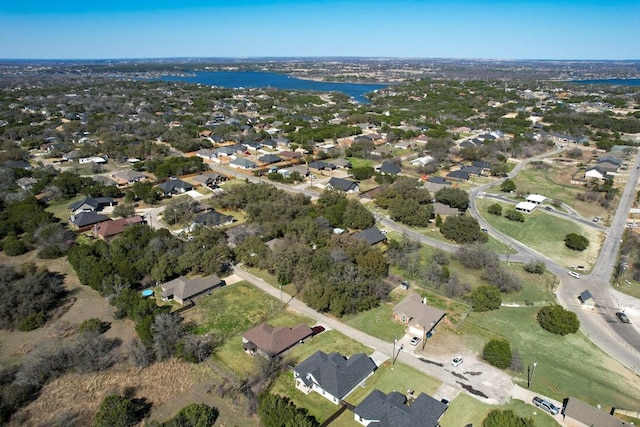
(174, 186)
(269, 159)
(91, 204)
(420, 318)
(183, 288)
(127, 177)
(473, 170)
(85, 220)
(272, 341)
(212, 218)
(321, 166)
(595, 172)
(209, 179)
(333, 375)
(371, 235)
(108, 229)
(586, 299)
(438, 180)
(391, 410)
(458, 175)
(342, 184)
(481, 164)
(389, 168)
(588, 415)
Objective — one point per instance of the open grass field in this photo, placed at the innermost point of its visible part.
(567, 366)
(466, 410)
(218, 312)
(377, 322)
(545, 233)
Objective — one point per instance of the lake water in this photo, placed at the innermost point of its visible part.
(613, 82)
(254, 79)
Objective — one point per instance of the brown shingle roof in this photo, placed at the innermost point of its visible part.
(589, 415)
(418, 312)
(274, 341)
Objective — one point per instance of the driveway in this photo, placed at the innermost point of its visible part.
(484, 382)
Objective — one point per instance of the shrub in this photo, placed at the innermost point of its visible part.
(115, 411)
(557, 320)
(498, 418)
(495, 209)
(93, 325)
(535, 266)
(498, 353)
(576, 242)
(485, 298)
(513, 215)
(31, 322)
(12, 246)
(193, 415)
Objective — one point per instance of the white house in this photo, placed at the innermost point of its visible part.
(536, 198)
(526, 207)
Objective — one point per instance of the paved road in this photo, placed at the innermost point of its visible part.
(491, 382)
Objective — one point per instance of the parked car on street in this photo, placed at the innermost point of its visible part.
(546, 405)
(622, 316)
(574, 274)
(457, 361)
(415, 340)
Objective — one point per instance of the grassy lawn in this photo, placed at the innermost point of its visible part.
(218, 312)
(397, 378)
(465, 410)
(565, 364)
(377, 322)
(358, 163)
(537, 288)
(60, 209)
(328, 341)
(545, 234)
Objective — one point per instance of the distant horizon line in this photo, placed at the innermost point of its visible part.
(247, 58)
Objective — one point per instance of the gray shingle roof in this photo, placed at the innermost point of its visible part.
(390, 410)
(343, 184)
(371, 235)
(334, 372)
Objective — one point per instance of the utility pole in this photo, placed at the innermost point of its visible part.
(530, 372)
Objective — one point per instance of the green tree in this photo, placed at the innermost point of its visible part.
(115, 411)
(277, 411)
(508, 186)
(576, 242)
(495, 209)
(498, 353)
(485, 298)
(514, 215)
(535, 266)
(499, 418)
(556, 319)
(454, 197)
(193, 415)
(463, 229)
(363, 172)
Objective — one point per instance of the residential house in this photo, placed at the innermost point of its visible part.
(438, 180)
(242, 163)
(444, 210)
(91, 204)
(372, 236)
(183, 289)
(109, 229)
(595, 172)
(458, 175)
(321, 166)
(472, 170)
(389, 168)
(588, 415)
(83, 221)
(333, 375)
(207, 154)
(209, 179)
(104, 180)
(290, 155)
(26, 183)
(526, 207)
(342, 184)
(212, 218)
(272, 341)
(536, 198)
(391, 410)
(420, 318)
(127, 177)
(485, 166)
(341, 163)
(269, 159)
(174, 186)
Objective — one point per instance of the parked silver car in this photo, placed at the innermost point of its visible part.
(546, 405)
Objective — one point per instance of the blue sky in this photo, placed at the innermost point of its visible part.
(586, 29)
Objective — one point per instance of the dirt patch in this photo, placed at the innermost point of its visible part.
(78, 396)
